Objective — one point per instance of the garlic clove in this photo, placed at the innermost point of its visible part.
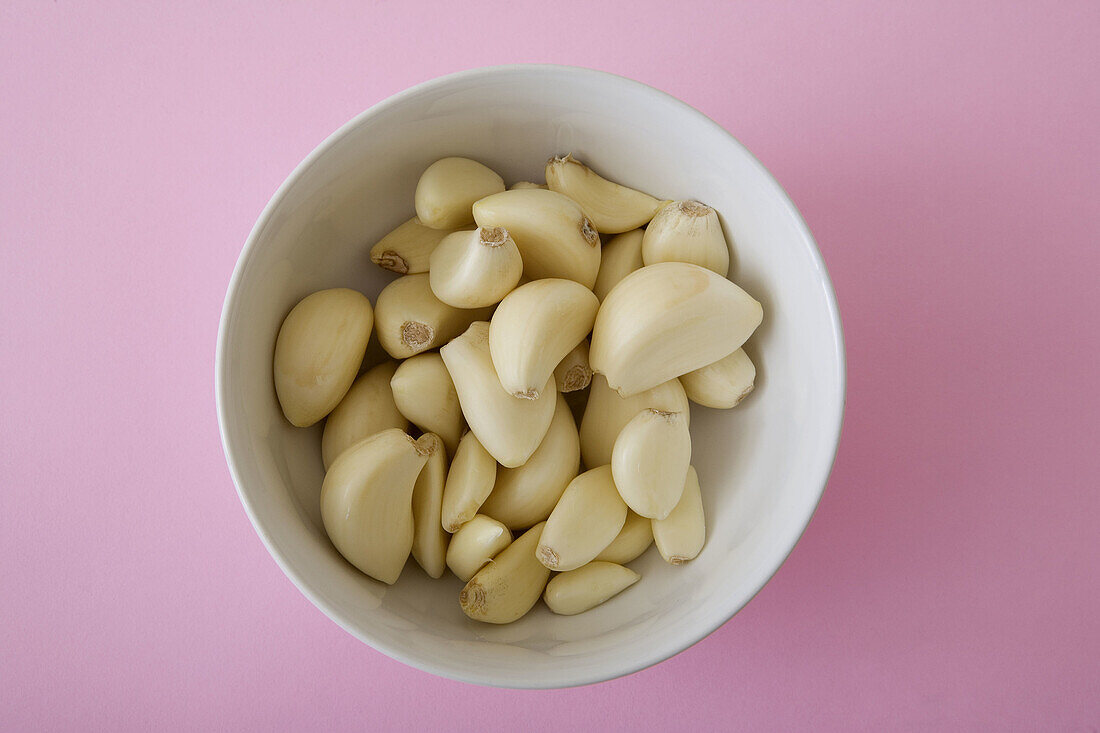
(722, 384)
(526, 495)
(476, 543)
(447, 190)
(554, 237)
(633, 539)
(318, 351)
(366, 409)
(366, 502)
(534, 328)
(520, 185)
(472, 476)
(475, 269)
(620, 257)
(586, 519)
(612, 208)
(649, 461)
(680, 536)
(509, 428)
(573, 373)
(668, 319)
(410, 319)
(407, 248)
(607, 413)
(509, 586)
(429, 547)
(424, 393)
(577, 591)
(687, 231)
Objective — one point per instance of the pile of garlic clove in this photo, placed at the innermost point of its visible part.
(509, 317)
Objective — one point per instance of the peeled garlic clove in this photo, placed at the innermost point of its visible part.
(611, 207)
(722, 384)
(634, 538)
(668, 319)
(318, 352)
(472, 476)
(366, 502)
(577, 591)
(533, 329)
(587, 518)
(554, 236)
(429, 547)
(508, 587)
(572, 373)
(606, 414)
(407, 248)
(649, 461)
(410, 319)
(448, 189)
(509, 428)
(687, 231)
(527, 494)
(680, 535)
(475, 269)
(475, 544)
(424, 393)
(366, 409)
(520, 185)
(620, 257)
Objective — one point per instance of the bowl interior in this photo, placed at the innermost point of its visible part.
(762, 466)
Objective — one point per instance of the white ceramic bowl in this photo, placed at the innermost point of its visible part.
(762, 466)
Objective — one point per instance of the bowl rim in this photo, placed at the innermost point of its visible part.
(472, 676)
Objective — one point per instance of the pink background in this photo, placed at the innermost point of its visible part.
(946, 156)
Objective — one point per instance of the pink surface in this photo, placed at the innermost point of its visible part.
(946, 156)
